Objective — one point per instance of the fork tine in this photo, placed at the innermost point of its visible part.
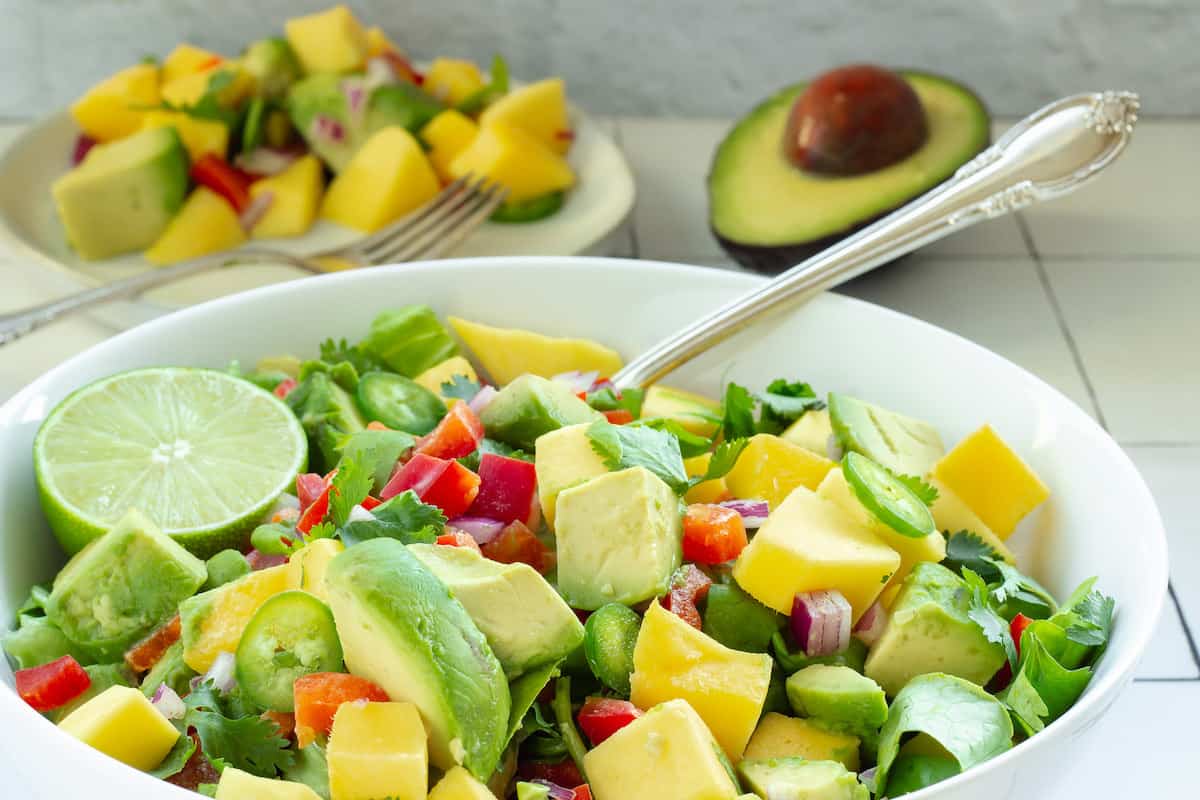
(360, 248)
(379, 251)
(466, 218)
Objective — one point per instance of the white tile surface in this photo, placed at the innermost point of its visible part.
(1137, 326)
(999, 303)
(1169, 655)
(1144, 204)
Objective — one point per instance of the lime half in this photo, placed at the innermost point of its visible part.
(200, 452)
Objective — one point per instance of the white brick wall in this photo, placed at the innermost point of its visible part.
(660, 57)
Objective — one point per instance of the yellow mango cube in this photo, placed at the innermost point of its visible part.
(695, 412)
(378, 42)
(200, 136)
(770, 468)
(713, 491)
(238, 785)
(512, 156)
(563, 458)
(928, 548)
(295, 198)
(508, 353)
(992, 480)
(666, 753)
(186, 90)
(952, 515)
(808, 544)
(187, 59)
(306, 567)
(452, 80)
(378, 750)
(458, 784)
(116, 107)
(778, 736)
(433, 378)
(387, 178)
(328, 41)
(811, 431)
(447, 135)
(121, 722)
(213, 621)
(727, 688)
(538, 108)
(206, 224)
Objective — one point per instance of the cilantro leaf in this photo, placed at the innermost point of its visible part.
(402, 517)
(350, 486)
(690, 444)
(209, 106)
(737, 415)
(176, 759)
(322, 530)
(1087, 616)
(462, 387)
(378, 451)
(785, 402)
(722, 462)
(624, 446)
(980, 611)
(607, 399)
(496, 88)
(920, 488)
(1019, 589)
(231, 732)
(966, 550)
(333, 352)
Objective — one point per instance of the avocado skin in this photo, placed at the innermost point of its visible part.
(775, 259)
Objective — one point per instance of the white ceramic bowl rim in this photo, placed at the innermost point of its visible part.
(1119, 665)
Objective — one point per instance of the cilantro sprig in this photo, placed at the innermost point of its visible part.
(782, 403)
(658, 450)
(461, 387)
(232, 733)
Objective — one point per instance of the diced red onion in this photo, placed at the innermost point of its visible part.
(258, 207)
(356, 96)
(578, 381)
(168, 702)
(821, 622)
(221, 673)
(360, 514)
(871, 623)
(265, 160)
(833, 448)
(260, 560)
(481, 529)
(327, 129)
(284, 502)
(754, 512)
(867, 778)
(379, 73)
(83, 146)
(556, 792)
(483, 398)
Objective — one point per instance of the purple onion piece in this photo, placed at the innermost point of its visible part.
(260, 560)
(256, 210)
(821, 622)
(837, 634)
(754, 512)
(481, 529)
(482, 398)
(327, 129)
(221, 673)
(556, 792)
(808, 621)
(168, 702)
(356, 96)
(871, 624)
(867, 778)
(578, 381)
(379, 72)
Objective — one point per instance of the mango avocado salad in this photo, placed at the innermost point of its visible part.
(458, 562)
(201, 152)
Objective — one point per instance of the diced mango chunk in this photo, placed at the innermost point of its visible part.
(200, 136)
(328, 41)
(510, 155)
(458, 784)
(952, 515)
(187, 90)
(186, 59)
(116, 107)
(928, 548)
(539, 108)
(448, 134)
(213, 621)
(727, 688)
(307, 566)
(378, 42)
(439, 374)
(206, 224)
(295, 198)
(378, 750)
(778, 736)
(564, 458)
(992, 480)
(121, 722)
(807, 544)
(770, 468)
(508, 353)
(667, 747)
(695, 412)
(811, 431)
(387, 178)
(452, 80)
(238, 785)
(713, 491)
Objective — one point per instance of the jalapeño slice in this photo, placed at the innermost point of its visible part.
(885, 496)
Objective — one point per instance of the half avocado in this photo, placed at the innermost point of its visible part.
(769, 215)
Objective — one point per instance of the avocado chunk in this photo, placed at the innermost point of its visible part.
(120, 199)
(170, 669)
(838, 697)
(737, 620)
(525, 621)
(769, 215)
(800, 779)
(531, 406)
(912, 772)
(904, 445)
(273, 65)
(122, 586)
(929, 631)
(619, 539)
(402, 628)
(38, 641)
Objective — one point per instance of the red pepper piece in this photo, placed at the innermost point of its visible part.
(601, 717)
(689, 587)
(507, 488)
(457, 435)
(52, 685)
(712, 534)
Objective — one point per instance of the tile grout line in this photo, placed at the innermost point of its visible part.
(1187, 630)
(1060, 317)
(1166, 680)
(1180, 444)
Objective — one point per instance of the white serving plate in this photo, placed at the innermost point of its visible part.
(30, 229)
(1101, 519)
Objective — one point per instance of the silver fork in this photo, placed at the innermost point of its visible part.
(428, 232)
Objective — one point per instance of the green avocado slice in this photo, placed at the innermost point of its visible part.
(769, 215)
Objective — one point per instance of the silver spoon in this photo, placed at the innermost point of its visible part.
(1048, 154)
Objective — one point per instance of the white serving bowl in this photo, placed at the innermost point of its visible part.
(1101, 519)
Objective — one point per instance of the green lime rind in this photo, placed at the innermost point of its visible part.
(202, 453)
(885, 496)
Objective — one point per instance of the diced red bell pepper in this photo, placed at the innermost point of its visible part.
(146, 653)
(456, 538)
(257, 560)
(403, 67)
(83, 146)
(285, 387)
(565, 135)
(689, 587)
(1017, 627)
(309, 486)
(215, 173)
(457, 435)
(583, 792)
(712, 534)
(446, 484)
(286, 721)
(369, 502)
(1004, 675)
(601, 717)
(563, 773)
(315, 512)
(619, 416)
(516, 543)
(507, 488)
(52, 685)
(319, 695)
